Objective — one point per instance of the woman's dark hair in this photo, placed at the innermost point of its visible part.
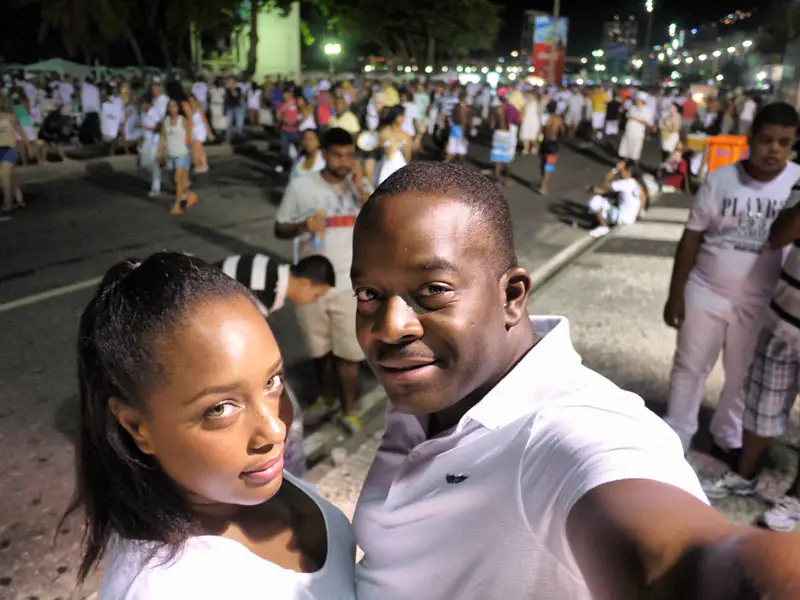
(176, 92)
(777, 113)
(316, 269)
(122, 491)
(390, 115)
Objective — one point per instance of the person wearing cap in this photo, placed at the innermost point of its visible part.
(639, 118)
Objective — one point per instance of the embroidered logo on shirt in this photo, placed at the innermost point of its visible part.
(458, 478)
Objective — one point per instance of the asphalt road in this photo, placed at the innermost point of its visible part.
(75, 228)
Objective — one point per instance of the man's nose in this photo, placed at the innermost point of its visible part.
(397, 322)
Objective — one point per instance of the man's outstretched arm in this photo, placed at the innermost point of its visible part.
(644, 539)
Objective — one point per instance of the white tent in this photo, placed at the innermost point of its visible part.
(60, 66)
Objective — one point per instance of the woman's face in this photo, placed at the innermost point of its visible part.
(401, 118)
(213, 423)
(172, 108)
(301, 102)
(310, 141)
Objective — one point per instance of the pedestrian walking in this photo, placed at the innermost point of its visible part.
(176, 133)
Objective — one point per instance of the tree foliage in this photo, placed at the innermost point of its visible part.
(781, 25)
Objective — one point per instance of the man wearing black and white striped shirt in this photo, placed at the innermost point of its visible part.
(273, 283)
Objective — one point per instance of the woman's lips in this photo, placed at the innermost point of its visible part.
(266, 472)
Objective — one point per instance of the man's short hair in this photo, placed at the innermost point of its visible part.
(336, 136)
(316, 269)
(464, 184)
(777, 113)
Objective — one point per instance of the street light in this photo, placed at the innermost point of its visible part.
(689, 60)
(717, 53)
(731, 49)
(747, 43)
(702, 57)
(332, 51)
(720, 77)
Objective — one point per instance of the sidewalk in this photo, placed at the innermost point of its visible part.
(620, 334)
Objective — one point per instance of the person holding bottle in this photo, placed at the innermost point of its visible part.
(318, 211)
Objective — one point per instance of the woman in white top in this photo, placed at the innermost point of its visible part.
(670, 128)
(200, 133)
(176, 133)
(396, 143)
(310, 159)
(307, 119)
(531, 123)
(180, 459)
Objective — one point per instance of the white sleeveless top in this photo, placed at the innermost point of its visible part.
(176, 137)
(199, 132)
(216, 568)
(319, 165)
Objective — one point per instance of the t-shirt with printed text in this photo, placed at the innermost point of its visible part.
(735, 212)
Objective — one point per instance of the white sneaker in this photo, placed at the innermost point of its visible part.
(600, 231)
(729, 484)
(154, 194)
(784, 516)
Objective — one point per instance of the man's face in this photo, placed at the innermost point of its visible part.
(771, 148)
(431, 317)
(308, 292)
(339, 160)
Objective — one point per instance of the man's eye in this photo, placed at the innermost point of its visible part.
(433, 290)
(365, 295)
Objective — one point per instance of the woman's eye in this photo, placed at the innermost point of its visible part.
(365, 295)
(273, 383)
(221, 410)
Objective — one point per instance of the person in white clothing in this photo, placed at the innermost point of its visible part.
(620, 199)
(747, 114)
(149, 141)
(254, 94)
(176, 135)
(200, 91)
(319, 210)
(310, 159)
(182, 439)
(112, 119)
(639, 118)
(509, 470)
(724, 275)
(574, 113)
(201, 133)
(531, 123)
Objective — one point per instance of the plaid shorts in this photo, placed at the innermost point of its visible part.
(772, 385)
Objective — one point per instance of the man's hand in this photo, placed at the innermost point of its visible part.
(316, 223)
(675, 311)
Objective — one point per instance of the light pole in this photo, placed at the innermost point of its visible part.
(648, 38)
(554, 47)
(332, 51)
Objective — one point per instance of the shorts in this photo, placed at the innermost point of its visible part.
(9, 154)
(329, 326)
(598, 120)
(772, 385)
(457, 146)
(179, 162)
(548, 152)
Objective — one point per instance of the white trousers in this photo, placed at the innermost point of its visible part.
(713, 324)
(631, 146)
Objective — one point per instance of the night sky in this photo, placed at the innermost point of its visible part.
(19, 43)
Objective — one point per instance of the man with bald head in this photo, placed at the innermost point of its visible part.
(508, 470)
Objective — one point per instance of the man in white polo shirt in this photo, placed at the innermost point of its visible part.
(508, 470)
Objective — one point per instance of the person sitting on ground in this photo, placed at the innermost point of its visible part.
(631, 197)
(553, 129)
(181, 446)
(273, 283)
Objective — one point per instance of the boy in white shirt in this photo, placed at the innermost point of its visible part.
(626, 181)
(724, 275)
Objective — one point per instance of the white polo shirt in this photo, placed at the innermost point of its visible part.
(480, 512)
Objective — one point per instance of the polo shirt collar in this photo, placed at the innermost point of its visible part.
(540, 374)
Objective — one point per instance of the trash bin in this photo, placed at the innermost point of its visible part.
(725, 150)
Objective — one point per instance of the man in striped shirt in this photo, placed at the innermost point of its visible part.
(273, 283)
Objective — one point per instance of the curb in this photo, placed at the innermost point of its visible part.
(125, 162)
(573, 252)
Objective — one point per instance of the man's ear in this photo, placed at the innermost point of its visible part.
(132, 421)
(516, 287)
